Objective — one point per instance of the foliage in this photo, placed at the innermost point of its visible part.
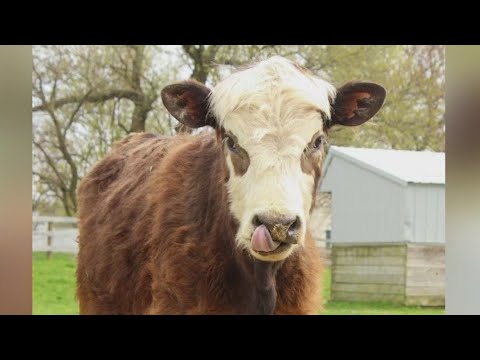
(87, 97)
(84, 99)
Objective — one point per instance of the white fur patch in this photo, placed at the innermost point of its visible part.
(273, 110)
(268, 79)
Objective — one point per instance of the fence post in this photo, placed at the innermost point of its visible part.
(49, 239)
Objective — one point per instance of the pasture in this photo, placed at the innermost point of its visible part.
(54, 292)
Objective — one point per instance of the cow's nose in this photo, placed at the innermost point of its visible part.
(281, 228)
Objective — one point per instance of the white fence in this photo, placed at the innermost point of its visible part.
(54, 234)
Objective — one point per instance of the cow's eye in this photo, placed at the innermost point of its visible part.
(230, 143)
(318, 142)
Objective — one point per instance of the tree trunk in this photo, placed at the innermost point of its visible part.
(200, 72)
(202, 57)
(139, 117)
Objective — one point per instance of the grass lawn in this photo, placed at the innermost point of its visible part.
(54, 292)
(53, 284)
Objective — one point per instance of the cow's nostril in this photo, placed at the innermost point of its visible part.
(281, 228)
(256, 221)
(294, 227)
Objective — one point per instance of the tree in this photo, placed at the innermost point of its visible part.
(109, 73)
(84, 99)
(87, 97)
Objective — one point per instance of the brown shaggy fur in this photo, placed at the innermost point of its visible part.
(157, 237)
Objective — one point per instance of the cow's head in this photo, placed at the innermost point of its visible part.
(272, 120)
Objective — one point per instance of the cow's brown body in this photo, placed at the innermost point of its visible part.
(157, 237)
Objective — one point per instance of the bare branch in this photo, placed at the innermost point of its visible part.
(91, 98)
(74, 114)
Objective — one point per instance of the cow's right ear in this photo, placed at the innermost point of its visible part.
(187, 101)
(357, 102)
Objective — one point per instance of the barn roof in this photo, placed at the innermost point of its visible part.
(421, 167)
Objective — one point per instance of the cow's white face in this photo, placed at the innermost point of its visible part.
(271, 120)
(269, 182)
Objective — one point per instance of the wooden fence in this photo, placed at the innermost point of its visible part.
(54, 234)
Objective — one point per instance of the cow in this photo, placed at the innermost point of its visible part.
(216, 222)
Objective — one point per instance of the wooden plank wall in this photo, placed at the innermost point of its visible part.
(368, 272)
(425, 277)
(412, 274)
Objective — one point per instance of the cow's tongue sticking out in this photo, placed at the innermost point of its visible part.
(262, 241)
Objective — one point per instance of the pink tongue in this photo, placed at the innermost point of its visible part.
(262, 241)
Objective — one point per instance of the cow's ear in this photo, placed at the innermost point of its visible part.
(357, 102)
(187, 101)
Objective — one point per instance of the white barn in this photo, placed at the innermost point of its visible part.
(388, 224)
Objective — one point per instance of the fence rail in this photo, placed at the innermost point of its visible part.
(55, 219)
(49, 238)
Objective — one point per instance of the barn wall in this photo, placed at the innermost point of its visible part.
(366, 207)
(411, 274)
(425, 213)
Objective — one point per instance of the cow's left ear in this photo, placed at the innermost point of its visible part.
(187, 101)
(357, 102)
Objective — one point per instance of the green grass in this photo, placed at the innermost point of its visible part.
(53, 284)
(54, 292)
